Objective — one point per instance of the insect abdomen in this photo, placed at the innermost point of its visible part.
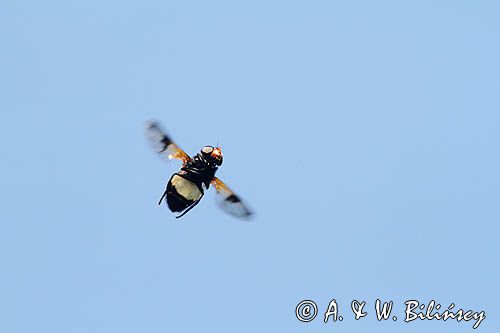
(181, 193)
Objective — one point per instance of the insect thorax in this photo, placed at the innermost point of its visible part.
(199, 171)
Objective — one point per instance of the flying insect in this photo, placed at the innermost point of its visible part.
(186, 188)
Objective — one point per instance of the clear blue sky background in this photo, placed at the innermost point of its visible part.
(364, 134)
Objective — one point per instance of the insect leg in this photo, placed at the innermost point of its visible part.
(163, 196)
(190, 207)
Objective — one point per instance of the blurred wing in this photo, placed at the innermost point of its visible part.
(163, 144)
(229, 201)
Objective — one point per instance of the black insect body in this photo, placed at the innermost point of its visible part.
(186, 188)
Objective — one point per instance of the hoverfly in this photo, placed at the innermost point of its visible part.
(186, 187)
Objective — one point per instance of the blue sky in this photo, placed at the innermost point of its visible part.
(364, 134)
